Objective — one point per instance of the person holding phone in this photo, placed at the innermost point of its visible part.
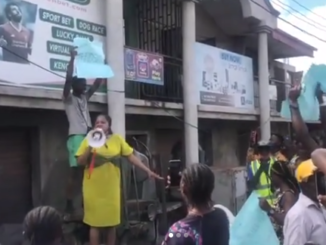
(204, 223)
(77, 111)
(305, 221)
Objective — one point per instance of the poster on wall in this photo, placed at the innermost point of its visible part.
(144, 67)
(36, 37)
(224, 78)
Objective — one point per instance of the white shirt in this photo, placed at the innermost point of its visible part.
(304, 222)
(228, 213)
(78, 114)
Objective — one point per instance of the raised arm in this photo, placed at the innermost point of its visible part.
(70, 71)
(299, 126)
(97, 83)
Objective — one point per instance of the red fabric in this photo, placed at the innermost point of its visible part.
(91, 166)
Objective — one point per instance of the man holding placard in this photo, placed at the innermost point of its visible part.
(76, 106)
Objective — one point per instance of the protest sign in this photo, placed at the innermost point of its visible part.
(307, 101)
(252, 225)
(89, 61)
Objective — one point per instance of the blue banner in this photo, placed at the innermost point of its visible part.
(308, 103)
(252, 226)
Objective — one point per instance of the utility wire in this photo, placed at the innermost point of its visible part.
(306, 19)
(305, 8)
(289, 23)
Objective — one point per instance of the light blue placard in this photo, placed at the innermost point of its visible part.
(89, 61)
(252, 226)
(308, 103)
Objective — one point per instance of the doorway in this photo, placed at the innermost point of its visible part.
(15, 175)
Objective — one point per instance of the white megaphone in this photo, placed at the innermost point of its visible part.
(96, 138)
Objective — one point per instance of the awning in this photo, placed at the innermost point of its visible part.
(284, 45)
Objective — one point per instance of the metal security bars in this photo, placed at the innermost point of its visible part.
(158, 24)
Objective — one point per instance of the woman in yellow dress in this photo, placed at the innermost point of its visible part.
(101, 186)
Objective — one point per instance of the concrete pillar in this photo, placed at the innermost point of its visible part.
(115, 58)
(189, 83)
(263, 75)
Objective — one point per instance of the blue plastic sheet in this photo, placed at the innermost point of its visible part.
(252, 226)
(89, 61)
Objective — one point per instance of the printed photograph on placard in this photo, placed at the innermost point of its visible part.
(17, 19)
(210, 79)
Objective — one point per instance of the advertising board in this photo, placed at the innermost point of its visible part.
(36, 37)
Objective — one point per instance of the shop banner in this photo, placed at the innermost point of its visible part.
(36, 37)
(144, 67)
(224, 78)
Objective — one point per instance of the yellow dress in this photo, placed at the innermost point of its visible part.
(101, 190)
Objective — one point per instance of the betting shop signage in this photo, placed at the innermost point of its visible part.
(36, 37)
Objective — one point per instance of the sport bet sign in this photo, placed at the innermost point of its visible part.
(42, 33)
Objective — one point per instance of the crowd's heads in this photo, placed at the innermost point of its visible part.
(277, 140)
(280, 173)
(42, 225)
(78, 85)
(263, 148)
(197, 185)
(301, 150)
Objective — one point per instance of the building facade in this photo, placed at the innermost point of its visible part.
(158, 110)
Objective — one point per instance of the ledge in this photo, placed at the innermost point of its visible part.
(303, 48)
(42, 98)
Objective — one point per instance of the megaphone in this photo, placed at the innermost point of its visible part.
(96, 138)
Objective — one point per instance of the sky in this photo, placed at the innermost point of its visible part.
(310, 16)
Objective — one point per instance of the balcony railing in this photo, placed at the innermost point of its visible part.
(278, 88)
(171, 91)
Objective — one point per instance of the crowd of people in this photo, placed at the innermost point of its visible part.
(288, 176)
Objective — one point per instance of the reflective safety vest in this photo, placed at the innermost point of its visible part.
(263, 187)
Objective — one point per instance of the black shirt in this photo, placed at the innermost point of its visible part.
(211, 229)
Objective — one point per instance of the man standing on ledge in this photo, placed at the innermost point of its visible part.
(76, 106)
(15, 39)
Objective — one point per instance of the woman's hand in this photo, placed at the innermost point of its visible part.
(264, 205)
(151, 174)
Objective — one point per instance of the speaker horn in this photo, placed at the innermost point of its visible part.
(96, 138)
